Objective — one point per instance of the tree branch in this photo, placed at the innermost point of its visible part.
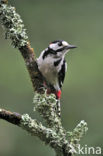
(15, 30)
(63, 142)
(54, 134)
(13, 118)
(57, 141)
(34, 128)
(35, 75)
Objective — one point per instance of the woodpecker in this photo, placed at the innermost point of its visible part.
(53, 66)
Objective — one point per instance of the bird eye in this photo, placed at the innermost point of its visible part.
(60, 44)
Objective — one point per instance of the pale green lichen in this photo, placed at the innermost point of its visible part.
(56, 139)
(47, 135)
(46, 105)
(79, 131)
(13, 24)
(75, 136)
(36, 128)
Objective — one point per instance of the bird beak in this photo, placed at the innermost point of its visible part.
(70, 47)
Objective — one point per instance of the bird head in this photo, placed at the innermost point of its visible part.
(59, 48)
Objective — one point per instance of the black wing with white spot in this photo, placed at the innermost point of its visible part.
(61, 74)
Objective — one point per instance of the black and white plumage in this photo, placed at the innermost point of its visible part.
(52, 65)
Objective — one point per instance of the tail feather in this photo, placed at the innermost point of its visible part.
(58, 108)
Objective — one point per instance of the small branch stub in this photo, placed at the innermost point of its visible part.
(14, 118)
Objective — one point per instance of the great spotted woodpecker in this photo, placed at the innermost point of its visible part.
(52, 65)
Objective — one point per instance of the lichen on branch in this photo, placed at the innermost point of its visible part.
(64, 145)
(54, 139)
(13, 24)
(16, 32)
(76, 135)
(46, 105)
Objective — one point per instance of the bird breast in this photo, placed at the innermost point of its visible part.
(48, 70)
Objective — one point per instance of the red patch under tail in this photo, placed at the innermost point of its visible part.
(58, 94)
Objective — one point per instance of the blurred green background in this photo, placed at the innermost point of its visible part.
(79, 22)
